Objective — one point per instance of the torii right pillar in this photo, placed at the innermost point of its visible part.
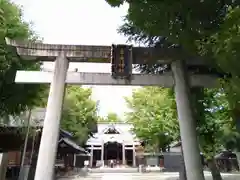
(187, 123)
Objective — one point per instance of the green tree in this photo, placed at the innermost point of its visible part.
(79, 114)
(153, 115)
(15, 98)
(213, 121)
(224, 47)
(182, 22)
(110, 118)
(154, 112)
(113, 117)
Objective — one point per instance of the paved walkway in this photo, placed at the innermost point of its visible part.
(144, 176)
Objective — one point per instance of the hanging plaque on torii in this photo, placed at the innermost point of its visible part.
(121, 61)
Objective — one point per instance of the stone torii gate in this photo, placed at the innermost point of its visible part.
(63, 54)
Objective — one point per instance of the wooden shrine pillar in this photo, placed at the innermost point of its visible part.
(102, 154)
(134, 156)
(91, 157)
(123, 154)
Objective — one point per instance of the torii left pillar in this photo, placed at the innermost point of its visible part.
(48, 145)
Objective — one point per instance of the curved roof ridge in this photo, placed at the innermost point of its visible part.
(112, 125)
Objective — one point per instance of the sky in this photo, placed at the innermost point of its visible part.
(81, 22)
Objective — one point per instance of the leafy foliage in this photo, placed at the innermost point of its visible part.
(224, 44)
(181, 22)
(224, 47)
(110, 118)
(213, 121)
(79, 113)
(113, 117)
(153, 116)
(15, 98)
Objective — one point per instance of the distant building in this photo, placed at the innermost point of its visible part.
(113, 142)
(175, 147)
(12, 136)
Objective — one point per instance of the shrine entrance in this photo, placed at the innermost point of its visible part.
(122, 59)
(113, 151)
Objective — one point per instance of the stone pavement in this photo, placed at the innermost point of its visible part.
(144, 176)
(114, 170)
(121, 176)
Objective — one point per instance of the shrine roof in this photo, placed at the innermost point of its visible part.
(15, 134)
(176, 144)
(72, 144)
(123, 127)
(124, 134)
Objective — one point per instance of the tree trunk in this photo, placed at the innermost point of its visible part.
(214, 170)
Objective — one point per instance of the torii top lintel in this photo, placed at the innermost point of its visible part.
(88, 53)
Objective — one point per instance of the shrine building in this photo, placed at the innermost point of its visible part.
(113, 142)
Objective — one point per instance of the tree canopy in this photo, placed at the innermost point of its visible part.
(206, 28)
(79, 114)
(15, 98)
(181, 22)
(113, 117)
(154, 119)
(224, 47)
(110, 118)
(153, 115)
(213, 122)
(189, 25)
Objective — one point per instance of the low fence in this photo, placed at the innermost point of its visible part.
(174, 161)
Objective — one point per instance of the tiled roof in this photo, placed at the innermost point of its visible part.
(65, 134)
(72, 144)
(124, 130)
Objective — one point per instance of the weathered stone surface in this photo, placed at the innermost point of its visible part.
(88, 53)
(164, 80)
